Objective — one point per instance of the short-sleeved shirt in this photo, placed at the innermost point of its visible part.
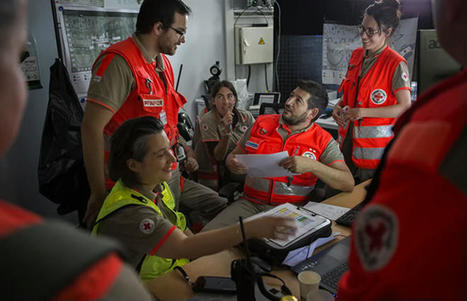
(330, 155)
(212, 131)
(401, 77)
(112, 88)
(127, 226)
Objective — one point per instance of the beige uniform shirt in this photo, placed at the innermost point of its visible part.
(211, 130)
(127, 226)
(115, 85)
(400, 79)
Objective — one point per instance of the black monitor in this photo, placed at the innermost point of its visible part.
(271, 98)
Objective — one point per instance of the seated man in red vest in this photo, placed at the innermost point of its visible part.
(313, 154)
(409, 243)
(47, 260)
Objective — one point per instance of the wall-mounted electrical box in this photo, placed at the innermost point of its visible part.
(254, 45)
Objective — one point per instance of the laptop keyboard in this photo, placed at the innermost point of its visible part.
(330, 280)
(347, 218)
(325, 264)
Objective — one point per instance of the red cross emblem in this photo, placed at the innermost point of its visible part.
(378, 96)
(146, 226)
(375, 234)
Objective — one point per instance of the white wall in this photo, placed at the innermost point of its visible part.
(204, 46)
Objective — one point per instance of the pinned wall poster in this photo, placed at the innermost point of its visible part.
(340, 40)
(30, 64)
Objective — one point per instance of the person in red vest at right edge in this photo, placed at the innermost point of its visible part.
(410, 242)
(46, 260)
(376, 90)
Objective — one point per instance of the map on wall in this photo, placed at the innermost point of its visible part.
(93, 3)
(85, 31)
(116, 4)
(88, 33)
(340, 40)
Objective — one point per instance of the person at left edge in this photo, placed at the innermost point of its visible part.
(44, 259)
(134, 78)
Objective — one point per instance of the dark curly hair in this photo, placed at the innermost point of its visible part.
(223, 84)
(386, 13)
(130, 142)
(318, 95)
(153, 11)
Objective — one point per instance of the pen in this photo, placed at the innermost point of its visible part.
(290, 178)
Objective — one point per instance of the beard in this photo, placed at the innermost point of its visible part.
(294, 119)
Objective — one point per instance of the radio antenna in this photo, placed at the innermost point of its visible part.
(178, 77)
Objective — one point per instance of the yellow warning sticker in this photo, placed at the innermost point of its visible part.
(261, 41)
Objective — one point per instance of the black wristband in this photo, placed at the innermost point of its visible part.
(184, 274)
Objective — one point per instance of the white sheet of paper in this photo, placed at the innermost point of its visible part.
(265, 166)
(300, 254)
(329, 211)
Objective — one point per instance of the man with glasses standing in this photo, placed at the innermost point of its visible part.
(376, 90)
(134, 78)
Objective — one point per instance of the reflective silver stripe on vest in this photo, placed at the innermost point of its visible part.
(260, 184)
(280, 188)
(368, 153)
(380, 131)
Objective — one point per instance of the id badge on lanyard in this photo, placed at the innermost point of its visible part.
(179, 152)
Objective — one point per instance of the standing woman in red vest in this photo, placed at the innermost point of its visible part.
(376, 90)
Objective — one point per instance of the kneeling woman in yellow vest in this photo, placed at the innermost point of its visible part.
(139, 211)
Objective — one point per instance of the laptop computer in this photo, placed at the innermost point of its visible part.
(330, 264)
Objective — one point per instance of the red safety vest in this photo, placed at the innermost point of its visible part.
(81, 283)
(370, 135)
(265, 139)
(409, 242)
(150, 97)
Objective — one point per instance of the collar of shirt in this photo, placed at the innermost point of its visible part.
(151, 195)
(376, 54)
(283, 126)
(149, 59)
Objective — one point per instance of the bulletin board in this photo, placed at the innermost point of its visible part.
(86, 27)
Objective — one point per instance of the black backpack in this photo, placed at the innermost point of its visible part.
(62, 177)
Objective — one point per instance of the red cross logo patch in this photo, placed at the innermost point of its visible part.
(376, 234)
(378, 96)
(309, 155)
(146, 226)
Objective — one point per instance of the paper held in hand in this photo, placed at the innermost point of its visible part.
(265, 166)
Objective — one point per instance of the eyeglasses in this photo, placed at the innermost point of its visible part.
(179, 32)
(369, 31)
